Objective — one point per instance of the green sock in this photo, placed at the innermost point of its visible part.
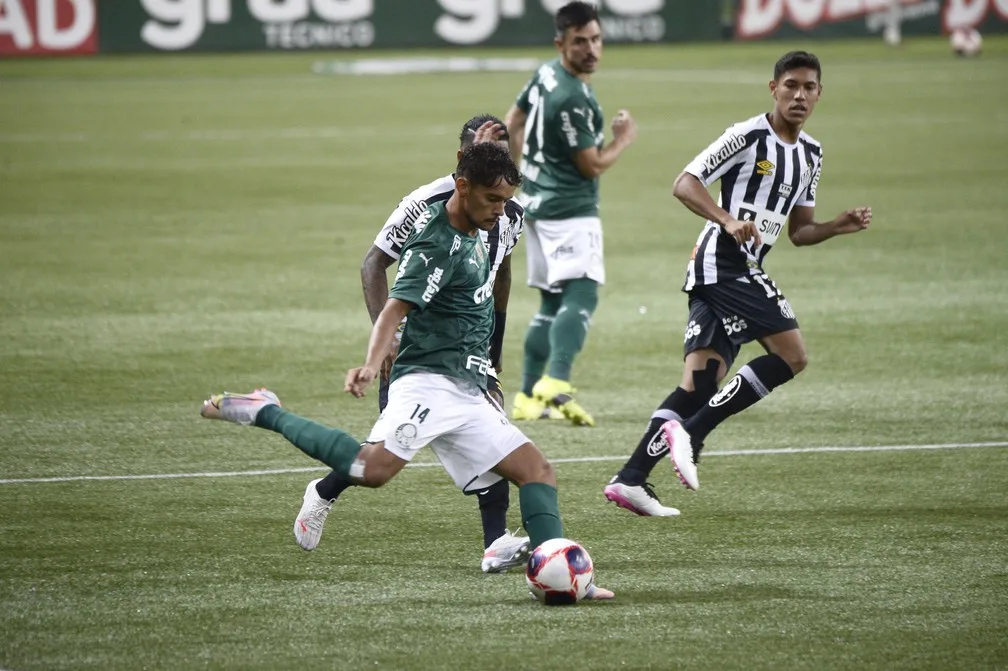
(567, 335)
(537, 340)
(330, 446)
(540, 513)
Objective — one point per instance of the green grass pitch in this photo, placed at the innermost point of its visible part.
(174, 226)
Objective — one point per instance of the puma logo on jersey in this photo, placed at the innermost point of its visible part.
(424, 257)
(578, 110)
(765, 168)
(473, 261)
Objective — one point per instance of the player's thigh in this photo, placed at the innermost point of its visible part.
(704, 341)
(790, 346)
(535, 258)
(526, 464)
(475, 447)
(421, 407)
(573, 249)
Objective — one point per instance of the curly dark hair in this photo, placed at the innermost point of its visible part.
(487, 164)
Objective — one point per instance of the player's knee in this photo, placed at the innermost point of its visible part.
(797, 360)
(581, 294)
(704, 382)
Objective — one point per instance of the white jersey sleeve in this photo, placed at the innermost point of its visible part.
(807, 197)
(726, 151)
(392, 236)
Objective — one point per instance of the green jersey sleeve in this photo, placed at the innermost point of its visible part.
(576, 124)
(522, 102)
(424, 268)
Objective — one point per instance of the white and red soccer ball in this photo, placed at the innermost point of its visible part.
(966, 41)
(559, 572)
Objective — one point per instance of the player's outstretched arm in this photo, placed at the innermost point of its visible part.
(379, 345)
(515, 122)
(804, 230)
(694, 195)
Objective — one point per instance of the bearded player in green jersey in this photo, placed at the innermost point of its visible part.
(556, 127)
(437, 389)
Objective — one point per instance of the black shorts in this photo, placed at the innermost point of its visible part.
(726, 315)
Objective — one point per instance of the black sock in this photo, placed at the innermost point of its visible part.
(332, 485)
(680, 406)
(493, 505)
(752, 382)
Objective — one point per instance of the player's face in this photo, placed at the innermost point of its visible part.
(581, 48)
(484, 205)
(796, 94)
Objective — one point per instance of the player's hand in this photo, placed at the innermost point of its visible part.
(853, 221)
(386, 367)
(491, 131)
(359, 379)
(743, 231)
(624, 127)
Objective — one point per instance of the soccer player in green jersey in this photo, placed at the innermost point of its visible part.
(437, 385)
(556, 127)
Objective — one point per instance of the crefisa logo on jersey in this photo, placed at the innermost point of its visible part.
(730, 147)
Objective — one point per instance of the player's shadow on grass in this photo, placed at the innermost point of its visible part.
(719, 594)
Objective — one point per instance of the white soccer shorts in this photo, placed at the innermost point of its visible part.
(468, 435)
(564, 249)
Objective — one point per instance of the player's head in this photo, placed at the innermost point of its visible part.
(796, 86)
(485, 179)
(578, 37)
(468, 135)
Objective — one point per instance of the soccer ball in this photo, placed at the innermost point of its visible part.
(559, 572)
(966, 42)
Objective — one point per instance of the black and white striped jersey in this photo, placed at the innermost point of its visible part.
(762, 179)
(499, 241)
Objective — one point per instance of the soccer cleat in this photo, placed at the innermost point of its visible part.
(596, 593)
(311, 518)
(238, 408)
(559, 394)
(681, 453)
(639, 499)
(508, 551)
(528, 408)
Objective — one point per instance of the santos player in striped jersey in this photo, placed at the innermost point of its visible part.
(769, 170)
(502, 548)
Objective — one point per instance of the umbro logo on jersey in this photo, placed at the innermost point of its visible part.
(765, 168)
(729, 148)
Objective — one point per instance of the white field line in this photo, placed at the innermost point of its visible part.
(569, 460)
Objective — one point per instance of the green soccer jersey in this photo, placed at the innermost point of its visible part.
(446, 276)
(563, 119)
